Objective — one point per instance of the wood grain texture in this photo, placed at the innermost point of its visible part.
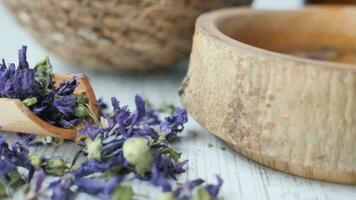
(291, 114)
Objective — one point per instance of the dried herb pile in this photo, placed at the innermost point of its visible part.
(122, 146)
(55, 103)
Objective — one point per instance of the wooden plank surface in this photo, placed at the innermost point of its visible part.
(244, 179)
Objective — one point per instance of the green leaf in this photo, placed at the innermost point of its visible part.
(44, 66)
(36, 161)
(3, 191)
(123, 192)
(167, 108)
(30, 101)
(81, 111)
(80, 99)
(173, 154)
(166, 196)
(94, 148)
(56, 167)
(15, 179)
(201, 194)
(44, 73)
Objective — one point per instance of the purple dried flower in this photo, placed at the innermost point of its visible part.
(61, 188)
(23, 64)
(140, 109)
(14, 156)
(102, 106)
(152, 118)
(91, 130)
(65, 104)
(146, 131)
(167, 166)
(26, 138)
(69, 123)
(39, 181)
(159, 180)
(67, 87)
(18, 83)
(121, 116)
(174, 124)
(98, 187)
(214, 189)
(15, 82)
(109, 148)
(178, 167)
(90, 167)
(6, 167)
(186, 190)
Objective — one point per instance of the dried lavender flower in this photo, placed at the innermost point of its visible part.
(61, 189)
(137, 152)
(123, 145)
(196, 191)
(123, 192)
(215, 189)
(34, 86)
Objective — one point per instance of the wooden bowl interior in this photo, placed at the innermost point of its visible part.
(290, 31)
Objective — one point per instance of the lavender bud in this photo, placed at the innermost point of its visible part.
(36, 161)
(123, 192)
(56, 167)
(94, 148)
(15, 179)
(104, 122)
(30, 101)
(44, 66)
(201, 194)
(166, 196)
(81, 111)
(137, 152)
(3, 192)
(44, 73)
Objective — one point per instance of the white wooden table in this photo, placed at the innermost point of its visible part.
(244, 179)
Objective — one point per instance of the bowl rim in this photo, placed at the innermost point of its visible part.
(209, 25)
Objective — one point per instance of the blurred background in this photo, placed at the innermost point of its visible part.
(73, 45)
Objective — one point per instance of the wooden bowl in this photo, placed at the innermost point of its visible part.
(292, 114)
(115, 34)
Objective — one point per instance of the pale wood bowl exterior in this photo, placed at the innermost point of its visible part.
(15, 116)
(292, 114)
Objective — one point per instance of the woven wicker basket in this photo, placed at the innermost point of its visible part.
(121, 34)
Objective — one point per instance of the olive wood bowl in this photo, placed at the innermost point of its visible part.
(292, 114)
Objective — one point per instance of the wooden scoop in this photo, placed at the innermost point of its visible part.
(15, 116)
